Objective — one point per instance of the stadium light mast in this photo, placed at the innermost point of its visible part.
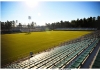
(16, 23)
(29, 17)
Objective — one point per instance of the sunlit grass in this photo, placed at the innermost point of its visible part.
(14, 46)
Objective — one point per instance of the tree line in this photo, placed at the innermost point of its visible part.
(8, 26)
(90, 22)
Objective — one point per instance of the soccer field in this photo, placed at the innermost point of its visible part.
(14, 46)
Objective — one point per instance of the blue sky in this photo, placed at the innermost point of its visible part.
(48, 11)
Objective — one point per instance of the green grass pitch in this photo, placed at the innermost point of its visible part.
(14, 46)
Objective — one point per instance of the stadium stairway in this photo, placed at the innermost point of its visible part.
(97, 61)
(82, 58)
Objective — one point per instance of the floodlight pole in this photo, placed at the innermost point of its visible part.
(29, 25)
(29, 17)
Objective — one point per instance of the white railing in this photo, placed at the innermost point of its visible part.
(75, 29)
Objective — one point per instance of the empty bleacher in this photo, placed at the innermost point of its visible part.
(74, 54)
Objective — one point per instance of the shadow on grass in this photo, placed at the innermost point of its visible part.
(27, 33)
